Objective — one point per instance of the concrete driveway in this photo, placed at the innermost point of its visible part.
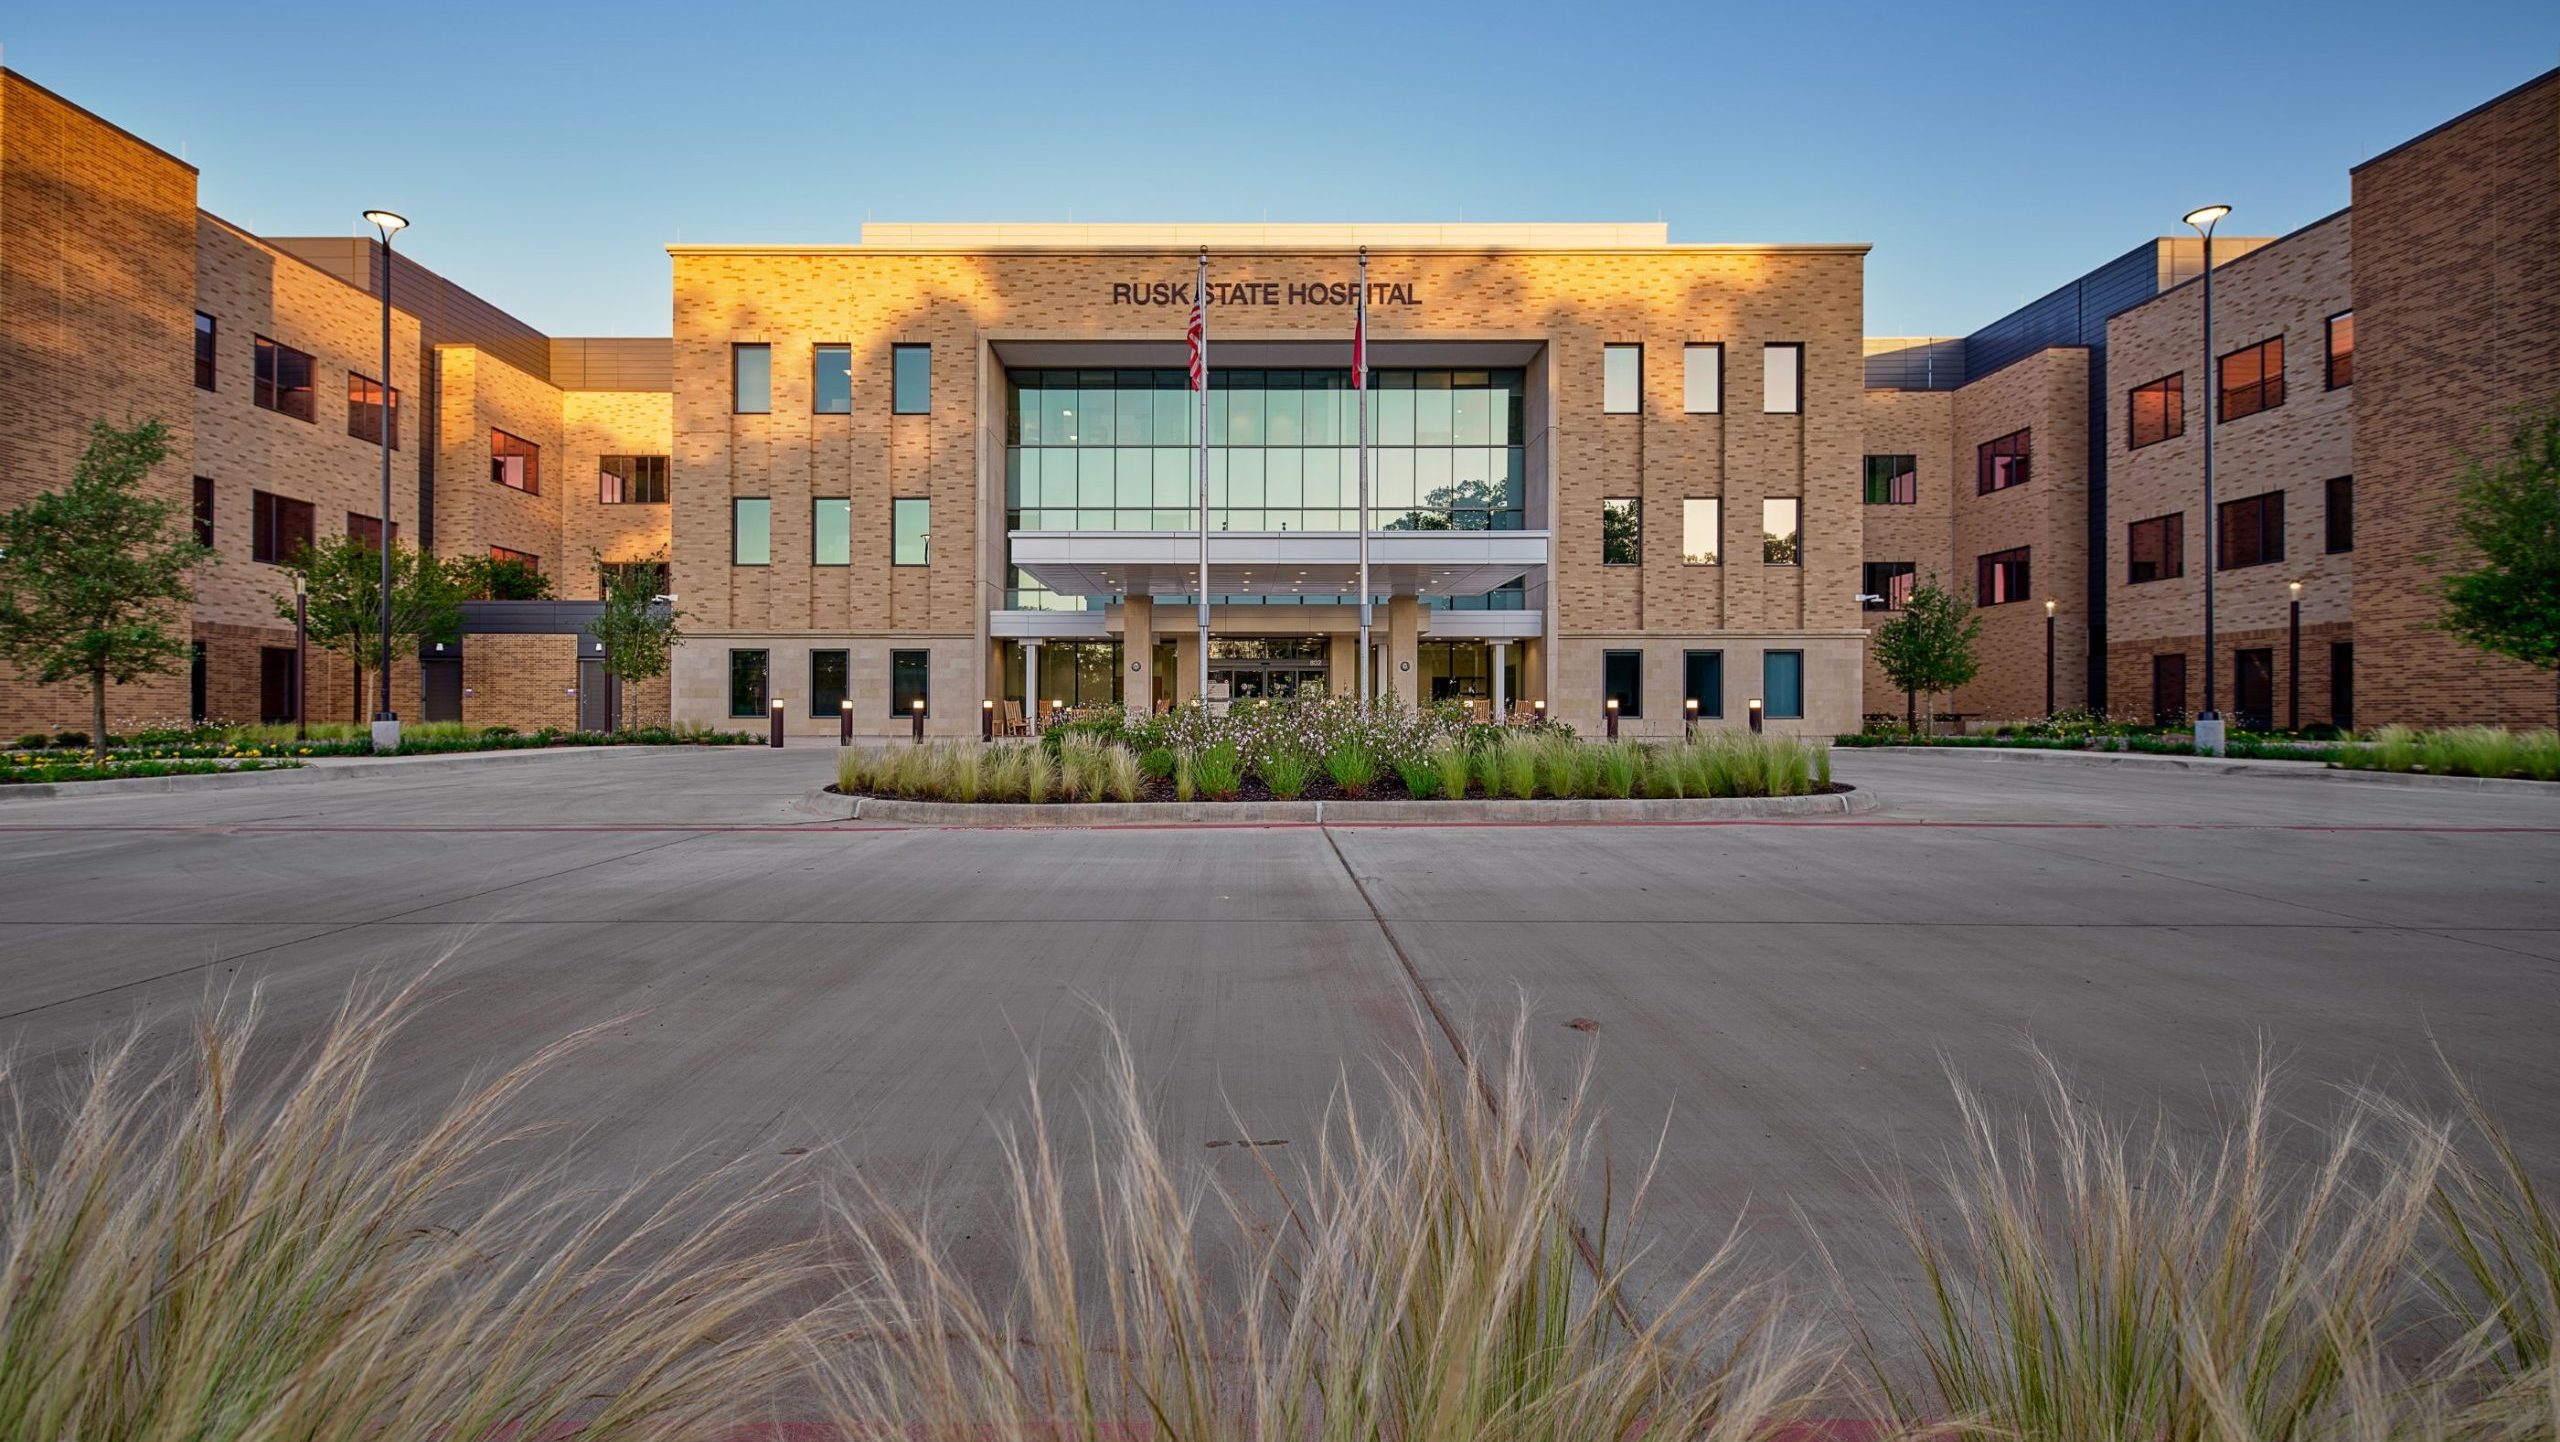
(1784, 998)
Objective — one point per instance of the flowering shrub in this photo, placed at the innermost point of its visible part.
(1391, 732)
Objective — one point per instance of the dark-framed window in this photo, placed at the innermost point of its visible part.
(751, 379)
(2156, 549)
(1622, 680)
(632, 480)
(204, 510)
(1621, 380)
(2341, 514)
(207, 331)
(2000, 464)
(831, 531)
(280, 528)
(831, 380)
(911, 380)
(2001, 578)
(1893, 480)
(368, 529)
(365, 408)
(1702, 377)
(910, 530)
(1702, 681)
(2156, 412)
(1621, 531)
(2342, 349)
(1781, 539)
(2252, 379)
(284, 381)
(515, 463)
(1886, 585)
(526, 559)
(751, 531)
(2169, 688)
(1782, 685)
(2250, 531)
(750, 682)
(910, 681)
(830, 680)
(1782, 378)
(654, 572)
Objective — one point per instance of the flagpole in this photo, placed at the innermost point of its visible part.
(1200, 364)
(1360, 383)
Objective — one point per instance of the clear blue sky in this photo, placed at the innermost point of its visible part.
(1989, 151)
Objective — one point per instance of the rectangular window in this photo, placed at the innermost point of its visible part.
(368, 529)
(1893, 480)
(526, 559)
(1621, 379)
(1778, 515)
(279, 528)
(2156, 549)
(2253, 379)
(830, 677)
(1782, 378)
(2251, 531)
(2000, 464)
(910, 681)
(2000, 577)
(631, 480)
(1702, 680)
(2169, 689)
(2342, 514)
(365, 408)
(1702, 378)
(1621, 531)
(1622, 681)
(2342, 349)
(1886, 585)
(204, 510)
(515, 463)
(1782, 685)
(831, 381)
(910, 531)
(831, 531)
(911, 380)
(750, 531)
(1701, 531)
(206, 331)
(749, 678)
(751, 379)
(2156, 412)
(283, 380)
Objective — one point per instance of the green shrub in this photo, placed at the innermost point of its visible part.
(1518, 762)
(1186, 779)
(1158, 763)
(1287, 774)
(1218, 772)
(34, 741)
(1352, 765)
(68, 739)
(1039, 778)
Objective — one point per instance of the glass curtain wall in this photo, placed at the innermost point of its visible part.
(1080, 673)
(1115, 450)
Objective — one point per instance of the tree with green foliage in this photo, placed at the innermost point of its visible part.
(1929, 648)
(638, 626)
(2509, 510)
(500, 578)
(344, 575)
(93, 577)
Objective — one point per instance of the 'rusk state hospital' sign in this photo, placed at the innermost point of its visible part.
(1261, 292)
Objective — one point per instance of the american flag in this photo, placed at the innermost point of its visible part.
(1199, 333)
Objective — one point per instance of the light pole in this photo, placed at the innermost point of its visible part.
(2048, 660)
(301, 655)
(2293, 661)
(2208, 731)
(386, 722)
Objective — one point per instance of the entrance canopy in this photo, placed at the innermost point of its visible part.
(1280, 563)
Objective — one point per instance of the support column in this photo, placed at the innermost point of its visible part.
(1138, 657)
(1501, 702)
(1342, 661)
(1404, 648)
(1186, 666)
(1031, 685)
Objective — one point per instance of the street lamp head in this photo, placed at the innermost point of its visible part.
(389, 222)
(301, 583)
(2048, 608)
(2295, 587)
(2203, 217)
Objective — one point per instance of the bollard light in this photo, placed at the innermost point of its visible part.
(1610, 706)
(1689, 716)
(777, 722)
(1755, 715)
(844, 722)
(915, 708)
(986, 720)
(1540, 708)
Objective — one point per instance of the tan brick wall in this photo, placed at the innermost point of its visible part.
(527, 682)
(2457, 280)
(482, 393)
(1920, 424)
(2288, 288)
(1575, 302)
(97, 265)
(2046, 394)
(2129, 676)
(603, 423)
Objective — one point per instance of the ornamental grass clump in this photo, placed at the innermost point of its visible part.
(240, 1246)
(1218, 772)
(1287, 774)
(1517, 759)
(1613, 769)
(1120, 774)
(1420, 776)
(1453, 760)
(1352, 765)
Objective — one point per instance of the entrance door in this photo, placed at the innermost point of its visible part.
(595, 710)
(2169, 689)
(440, 679)
(2253, 688)
(2342, 684)
(278, 696)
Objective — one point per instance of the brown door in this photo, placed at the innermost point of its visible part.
(2169, 690)
(440, 680)
(278, 694)
(594, 711)
(2253, 688)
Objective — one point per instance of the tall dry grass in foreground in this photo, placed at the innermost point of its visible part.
(192, 1254)
(1414, 1274)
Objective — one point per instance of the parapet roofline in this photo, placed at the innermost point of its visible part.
(904, 238)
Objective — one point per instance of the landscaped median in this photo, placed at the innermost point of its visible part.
(1326, 760)
(157, 751)
(2480, 752)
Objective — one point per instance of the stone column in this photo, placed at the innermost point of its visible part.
(1031, 684)
(1342, 660)
(1404, 649)
(1138, 657)
(1186, 666)
(1501, 702)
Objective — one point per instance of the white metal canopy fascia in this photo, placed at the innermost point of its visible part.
(1277, 563)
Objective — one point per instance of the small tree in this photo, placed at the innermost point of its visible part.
(1929, 647)
(2509, 510)
(637, 629)
(344, 575)
(92, 576)
(495, 578)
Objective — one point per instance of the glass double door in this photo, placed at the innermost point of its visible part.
(1267, 667)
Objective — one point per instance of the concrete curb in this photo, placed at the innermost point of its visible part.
(318, 769)
(2220, 766)
(1854, 802)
